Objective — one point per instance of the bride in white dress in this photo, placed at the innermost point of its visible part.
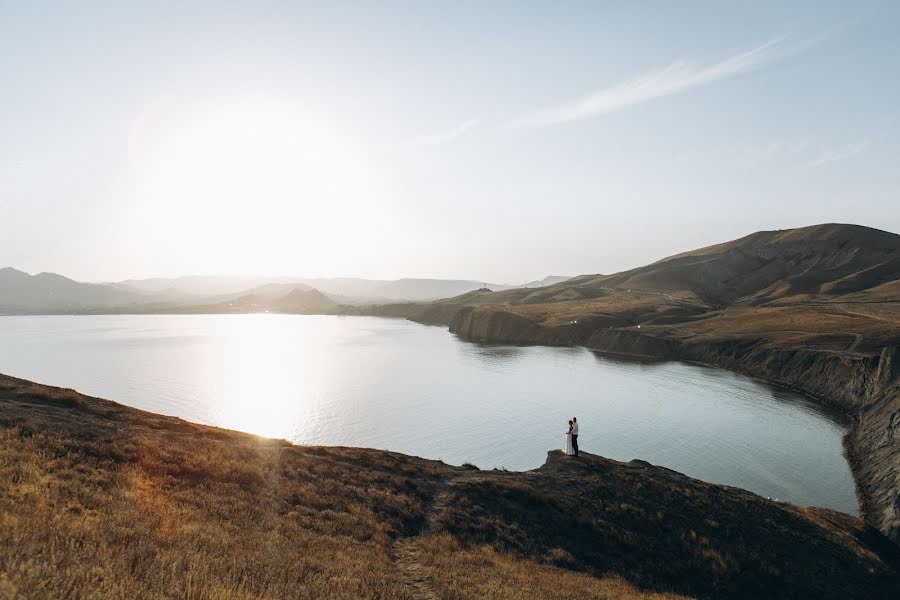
(570, 451)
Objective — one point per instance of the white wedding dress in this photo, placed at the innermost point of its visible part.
(570, 451)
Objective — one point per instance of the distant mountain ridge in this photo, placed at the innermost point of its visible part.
(48, 292)
(354, 288)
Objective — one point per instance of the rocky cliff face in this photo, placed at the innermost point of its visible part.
(873, 446)
(491, 324)
(625, 341)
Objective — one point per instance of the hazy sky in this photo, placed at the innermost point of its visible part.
(500, 141)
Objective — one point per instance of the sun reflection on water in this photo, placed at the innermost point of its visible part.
(260, 367)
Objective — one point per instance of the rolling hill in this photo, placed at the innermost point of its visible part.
(21, 292)
(768, 266)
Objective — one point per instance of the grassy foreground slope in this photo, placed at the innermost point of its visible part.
(98, 500)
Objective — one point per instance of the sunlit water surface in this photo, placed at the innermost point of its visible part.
(392, 384)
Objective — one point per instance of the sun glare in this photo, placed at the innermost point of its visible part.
(257, 392)
(249, 185)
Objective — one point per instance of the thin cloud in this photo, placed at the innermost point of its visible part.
(442, 137)
(678, 77)
(828, 156)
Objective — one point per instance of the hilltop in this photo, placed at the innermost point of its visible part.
(770, 266)
(101, 500)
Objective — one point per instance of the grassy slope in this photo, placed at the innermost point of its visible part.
(100, 500)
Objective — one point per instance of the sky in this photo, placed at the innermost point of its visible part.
(499, 141)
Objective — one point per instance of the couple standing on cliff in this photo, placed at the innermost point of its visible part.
(572, 438)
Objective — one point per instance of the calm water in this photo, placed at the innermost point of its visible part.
(393, 384)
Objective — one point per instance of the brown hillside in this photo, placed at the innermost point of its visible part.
(812, 263)
(769, 265)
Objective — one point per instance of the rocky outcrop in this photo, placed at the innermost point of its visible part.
(492, 324)
(841, 380)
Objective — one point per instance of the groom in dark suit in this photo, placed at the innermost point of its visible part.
(575, 435)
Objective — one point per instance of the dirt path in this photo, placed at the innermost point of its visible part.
(404, 551)
(412, 573)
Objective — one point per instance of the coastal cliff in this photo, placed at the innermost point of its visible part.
(865, 388)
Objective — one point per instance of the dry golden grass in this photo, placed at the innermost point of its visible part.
(111, 503)
(830, 327)
(101, 501)
(454, 571)
(60, 396)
